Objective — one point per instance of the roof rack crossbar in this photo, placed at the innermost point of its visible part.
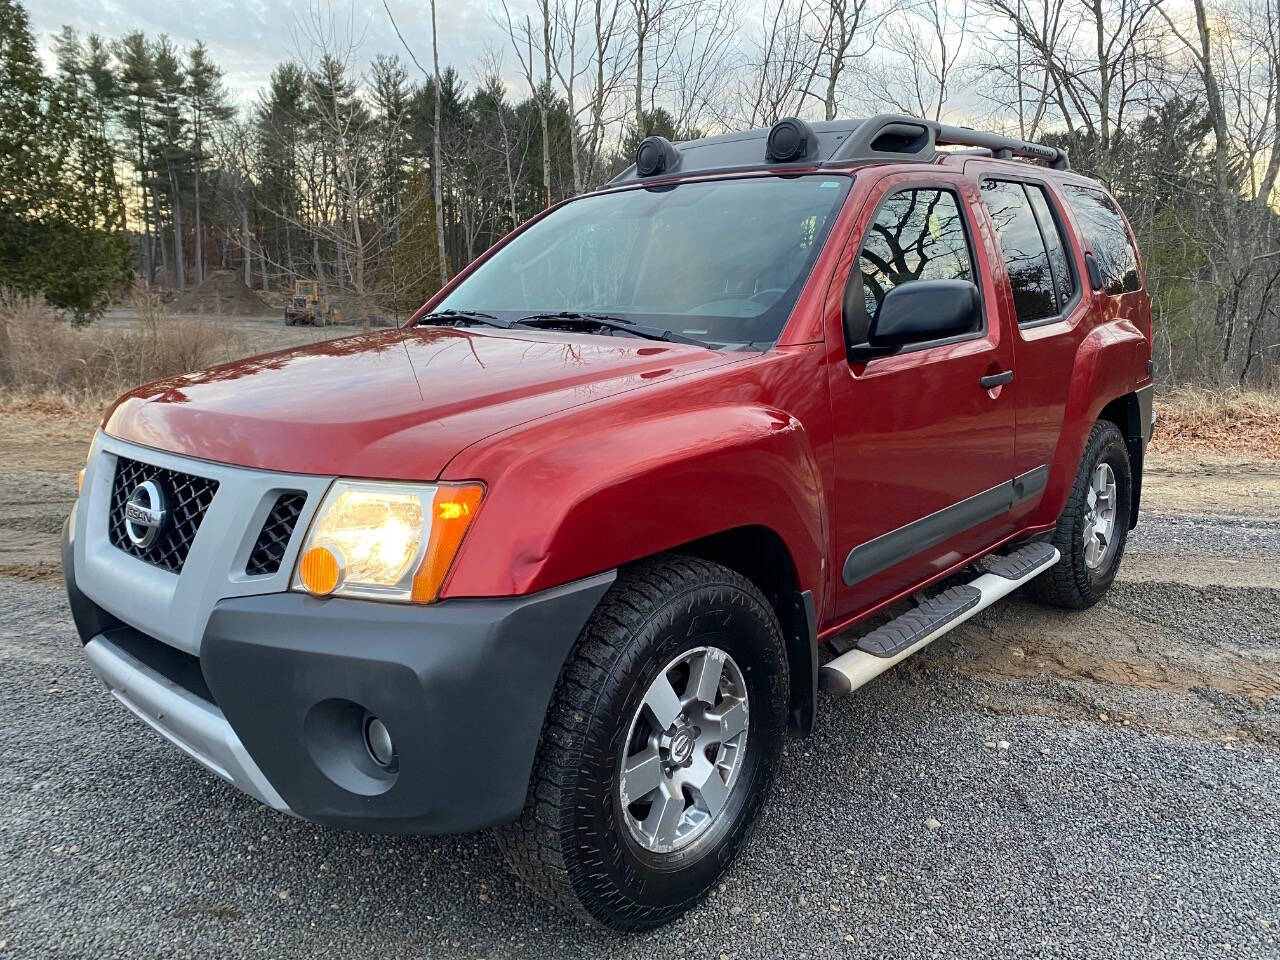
(1001, 146)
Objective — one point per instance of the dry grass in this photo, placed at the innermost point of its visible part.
(1244, 423)
(45, 360)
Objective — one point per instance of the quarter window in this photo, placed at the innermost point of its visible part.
(1107, 234)
(1026, 257)
(917, 235)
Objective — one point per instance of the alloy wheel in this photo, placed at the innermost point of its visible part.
(685, 747)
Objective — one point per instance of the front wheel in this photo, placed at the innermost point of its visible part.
(660, 746)
(1094, 525)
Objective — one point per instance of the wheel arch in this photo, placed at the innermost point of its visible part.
(760, 554)
(1126, 412)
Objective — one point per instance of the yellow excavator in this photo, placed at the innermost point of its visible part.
(309, 308)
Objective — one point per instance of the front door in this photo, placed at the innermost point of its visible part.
(923, 450)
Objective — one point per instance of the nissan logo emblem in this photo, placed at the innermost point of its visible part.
(144, 514)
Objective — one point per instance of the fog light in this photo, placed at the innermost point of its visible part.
(377, 740)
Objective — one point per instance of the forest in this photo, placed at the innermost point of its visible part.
(127, 161)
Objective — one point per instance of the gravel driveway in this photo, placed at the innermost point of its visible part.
(1037, 784)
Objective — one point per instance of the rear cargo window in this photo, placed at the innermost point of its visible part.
(1026, 258)
(917, 235)
(1108, 237)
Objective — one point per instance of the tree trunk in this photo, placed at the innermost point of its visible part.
(262, 266)
(199, 226)
(179, 261)
(157, 234)
(317, 266)
(436, 189)
(246, 245)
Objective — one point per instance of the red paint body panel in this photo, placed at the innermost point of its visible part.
(596, 451)
(397, 404)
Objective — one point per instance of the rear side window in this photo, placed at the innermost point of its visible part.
(917, 234)
(1108, 237)
(1054, 243)
(1026, 256)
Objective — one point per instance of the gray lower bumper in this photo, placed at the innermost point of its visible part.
(193, 725)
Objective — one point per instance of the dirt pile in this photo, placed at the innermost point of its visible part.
(223, 294)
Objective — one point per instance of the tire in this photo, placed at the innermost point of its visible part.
(577, 843)
(1078, 581)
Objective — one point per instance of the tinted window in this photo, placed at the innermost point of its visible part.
(916, 235)
(721, 261)
(1108, 237)
(1025, 257)
(1053, 242)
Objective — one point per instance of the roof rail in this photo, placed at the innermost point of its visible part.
(892, 137)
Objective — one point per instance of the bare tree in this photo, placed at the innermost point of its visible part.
(523, 42)
(926, 42)
(437, 161)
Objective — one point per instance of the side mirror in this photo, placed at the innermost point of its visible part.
(924, 310)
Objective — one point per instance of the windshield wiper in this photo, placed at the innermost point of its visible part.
(456, 317)
(575, 318)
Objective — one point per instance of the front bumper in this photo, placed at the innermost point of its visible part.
(275, 702)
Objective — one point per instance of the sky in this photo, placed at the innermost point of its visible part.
(248, 38)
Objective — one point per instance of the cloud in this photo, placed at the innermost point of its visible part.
(248, 38)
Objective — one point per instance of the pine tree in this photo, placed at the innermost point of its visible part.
(209, 106)
(62, 229)
(138, 93)
(174, 159)
(415, 259)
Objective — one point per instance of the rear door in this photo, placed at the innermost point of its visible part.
(923, 452)
(1047, 298)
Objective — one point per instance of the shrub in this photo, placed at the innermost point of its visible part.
(43, 355)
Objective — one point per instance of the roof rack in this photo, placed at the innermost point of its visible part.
(891, 137)
(884, 138)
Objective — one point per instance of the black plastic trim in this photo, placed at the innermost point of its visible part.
(804, 663)
(463, 685)
(1146, 409)
(1022, 562)
(889, 549)
(916, 624)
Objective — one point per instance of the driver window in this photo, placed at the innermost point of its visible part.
(918, 234)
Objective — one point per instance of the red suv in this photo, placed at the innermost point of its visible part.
(562, 556)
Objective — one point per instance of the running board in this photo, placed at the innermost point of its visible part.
(917, 628)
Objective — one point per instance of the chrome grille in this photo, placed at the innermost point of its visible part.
(273, 540)
(186, 498)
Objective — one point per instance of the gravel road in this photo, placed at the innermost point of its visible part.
(1037, 784)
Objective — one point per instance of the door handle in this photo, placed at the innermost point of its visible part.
(996, 379)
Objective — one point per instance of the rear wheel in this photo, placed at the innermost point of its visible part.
(1094, 526)
(661, 744)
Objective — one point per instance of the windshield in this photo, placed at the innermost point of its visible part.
(719, 261)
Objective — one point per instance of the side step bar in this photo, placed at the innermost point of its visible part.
(917, 628)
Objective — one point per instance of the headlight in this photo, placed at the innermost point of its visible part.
(385, 541)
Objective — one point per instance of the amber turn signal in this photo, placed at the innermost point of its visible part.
(320, 571)
(453, 508)
(80, 481)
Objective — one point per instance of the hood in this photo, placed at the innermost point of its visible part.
(397, 404)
